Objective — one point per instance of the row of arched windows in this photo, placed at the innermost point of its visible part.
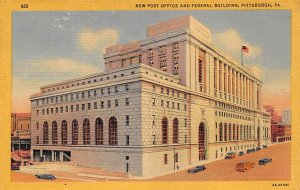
(86, 135)
(228, 132)
(164, 124)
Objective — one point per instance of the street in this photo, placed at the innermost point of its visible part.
(224, 170)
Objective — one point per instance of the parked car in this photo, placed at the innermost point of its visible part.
(230, 155)
(257, 148)
(14, 166)
(241, 153)
(244, 166)
(250, 150)
(46, 176)
(264, 161)
(196, 169)
(265, 146)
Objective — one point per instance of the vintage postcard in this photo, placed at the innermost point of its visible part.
(158, 94)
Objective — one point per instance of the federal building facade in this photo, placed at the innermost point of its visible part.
(165, 103)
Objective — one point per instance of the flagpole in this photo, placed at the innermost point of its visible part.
(242, 55)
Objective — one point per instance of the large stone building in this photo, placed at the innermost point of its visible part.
(162, 104)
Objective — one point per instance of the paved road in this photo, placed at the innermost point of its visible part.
(279, 169)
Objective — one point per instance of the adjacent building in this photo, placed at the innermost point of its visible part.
(20, 131)
(286, 116)
(165, 103)
(280, 132)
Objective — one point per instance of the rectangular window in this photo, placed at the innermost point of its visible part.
(56, 110)
(95, 105)
(56, 99)
(37, 125)
(126, 88)
(102, 91)
(116, 89)
(162, 49)
(150, 62)
(153, 101)
(116, 103)
(185, 138)
(163, 63)
(185, 123)
(127, 102)
(178, 106)
(185, 107)
(127, 120)
(166, 158)
(43, 111)
(95, 93)
(89, 94)
(72, 97)
(77, 107)
(67, 109)
(175, 47)
(168, 104)
(162, 103)
(66, 97)
(127, 140)
(82, 95)
(72, 108)
(108, 104)
(102, 104)
(173, 105)
(150, 52)
(61, 109)
(51, 110)
(89, 106)
(51, 100)
(77, 95)
(37, 140)
(108, 90)
(153, 121)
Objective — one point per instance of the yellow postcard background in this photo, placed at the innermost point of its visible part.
(6, 9)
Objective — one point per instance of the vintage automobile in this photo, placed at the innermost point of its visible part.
(244, 166)
(250, 150)
(45, 176)
(241, 153)
(264, 161)
(15, 166)
(196, 169)
(257, 148)
(230, 155)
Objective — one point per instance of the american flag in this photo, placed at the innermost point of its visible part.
(245, 49)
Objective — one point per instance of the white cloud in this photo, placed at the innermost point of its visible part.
(231, 41)
(32, 74)
(90, 40)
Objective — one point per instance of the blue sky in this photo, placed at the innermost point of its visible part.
(53, 46)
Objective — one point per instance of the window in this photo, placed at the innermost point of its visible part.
(127, 102)
(175, 131)
(164, 130)
(185, 123)
(175, 47)
(102, 104)
(153, 101)
(89, 106)
(74, 132)
(116, 89)
(178, 106)
(163, 63)
(51, 110)
(150, 52)
(225, 132)
(229, 131)
(95, 92)
(86, 132)
(67, 108)
(185, 138)
(221, 132)
(45, 133)
(37, 126)
(126, 88)
(64, 132)
(77, 107)
(127, 140)
(150, 62)
(108, 104)
(168, 104)
(82, 95)
(82, 107)
(166, 158)
(95, 105)
(37, 140)
(99, 131)
(77, 95)
(37, 112)
(162, 49)
(89, 94)
(162, 90)
(43, 111)
(162, 103)
(173, 105)
(102, 91)
(113, 131)
(54, 133)
(108, 90)
(127, 120)
(56, 110)
(116, 103)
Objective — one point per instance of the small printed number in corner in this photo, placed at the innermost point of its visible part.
(24, 6)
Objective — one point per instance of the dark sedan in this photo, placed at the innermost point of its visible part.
(46, 176)
(264, 161)
(196, 169)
